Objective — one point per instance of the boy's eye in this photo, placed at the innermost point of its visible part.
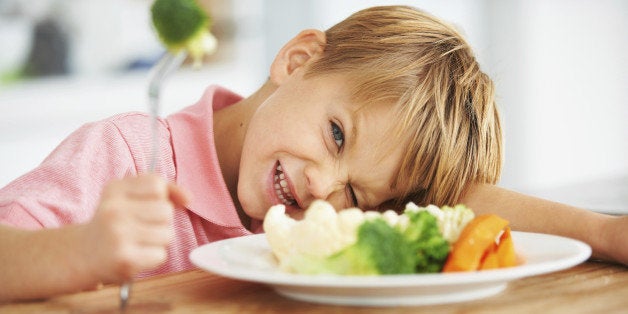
(337, 134)
(339, 138)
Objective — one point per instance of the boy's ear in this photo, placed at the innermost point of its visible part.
(296, 53)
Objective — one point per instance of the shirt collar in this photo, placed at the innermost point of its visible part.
(196, 161)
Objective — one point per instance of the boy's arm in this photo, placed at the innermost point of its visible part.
(604, 233)
(37, 264)
(129, 233)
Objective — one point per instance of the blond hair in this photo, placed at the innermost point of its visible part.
(446, 105)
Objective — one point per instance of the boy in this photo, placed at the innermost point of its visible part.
(386, 107)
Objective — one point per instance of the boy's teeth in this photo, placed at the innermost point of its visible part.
(281, 187)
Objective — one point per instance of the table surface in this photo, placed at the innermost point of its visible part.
(591, 287)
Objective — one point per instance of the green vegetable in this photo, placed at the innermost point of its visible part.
(384, 249)
(428, 242)
(183, 24)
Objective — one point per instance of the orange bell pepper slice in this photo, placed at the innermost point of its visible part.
(490, 259)
(506, 250)
(474, 247)
(500, 255)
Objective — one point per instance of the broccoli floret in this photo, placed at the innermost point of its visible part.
(183, 24)
(380, 249)
(427, 241)
(177, 21)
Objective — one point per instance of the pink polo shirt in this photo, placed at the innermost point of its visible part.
(66, 186)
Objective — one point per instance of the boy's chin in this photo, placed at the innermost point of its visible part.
(253, 212)
(259, 213)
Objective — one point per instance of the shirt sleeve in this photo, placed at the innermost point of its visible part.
(66, 186)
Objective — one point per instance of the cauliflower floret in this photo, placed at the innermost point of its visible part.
(348, 222)
(451, 221)
(454, 220)
(280, 238)
(320, 233)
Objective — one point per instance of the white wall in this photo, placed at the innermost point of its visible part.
(561, 69)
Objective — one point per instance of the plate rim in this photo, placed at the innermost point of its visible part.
(582, 253)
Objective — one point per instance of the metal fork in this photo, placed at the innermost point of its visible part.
(159, 73)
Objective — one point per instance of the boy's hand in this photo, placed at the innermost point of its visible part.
(132, 226)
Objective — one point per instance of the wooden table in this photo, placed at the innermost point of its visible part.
(592, 287)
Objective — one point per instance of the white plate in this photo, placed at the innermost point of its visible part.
(249, 258)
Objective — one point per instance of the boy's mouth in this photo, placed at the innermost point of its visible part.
(281, 187)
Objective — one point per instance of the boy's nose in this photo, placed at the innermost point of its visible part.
(322, 184)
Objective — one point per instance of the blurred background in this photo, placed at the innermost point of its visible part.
(560, 67)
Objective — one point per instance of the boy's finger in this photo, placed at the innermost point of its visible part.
(154, 236)
(146, 186)
(153, 212)
(151, 256)
(178, 195)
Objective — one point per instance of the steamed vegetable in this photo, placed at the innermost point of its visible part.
(485, 243)
(451, 220)
(353, 242)
(421, 240)
(183, 25)
(384, 249)
(379, 249)
(426, 241)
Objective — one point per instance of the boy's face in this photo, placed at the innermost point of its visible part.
(308, 141)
